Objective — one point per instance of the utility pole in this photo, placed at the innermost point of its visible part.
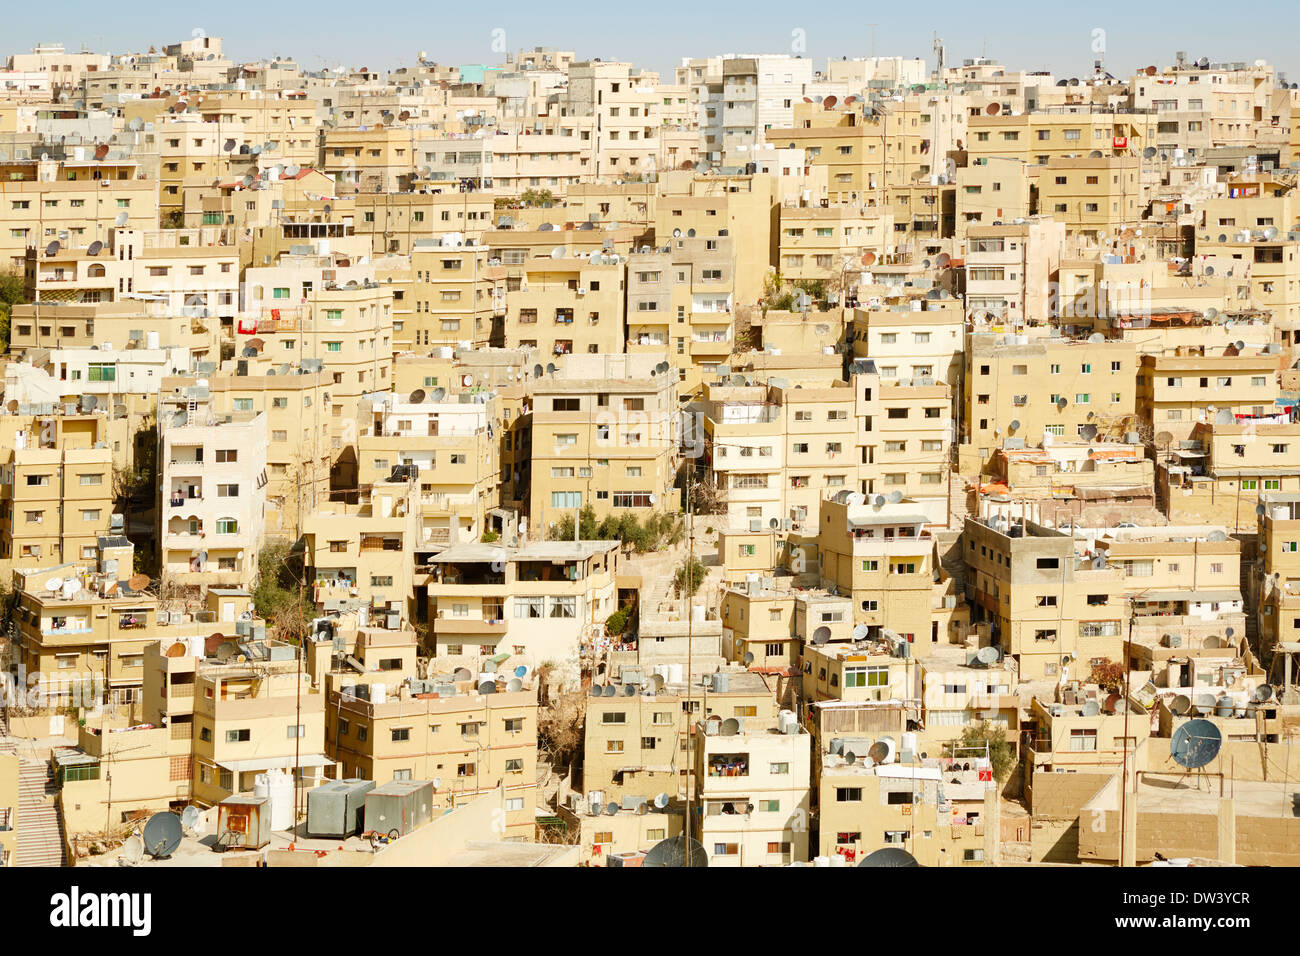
(690, 721)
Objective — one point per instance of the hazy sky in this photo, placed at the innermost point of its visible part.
(657, 34)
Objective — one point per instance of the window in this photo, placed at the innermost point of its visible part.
(400, 734)
(848, 794)
(295, 731)
(238, 736)
(227, 454)
(1083, 739)
(227, 526)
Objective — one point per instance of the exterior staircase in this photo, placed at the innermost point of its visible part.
(39, 838)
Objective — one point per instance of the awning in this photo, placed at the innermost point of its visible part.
(275, 763)
(1201, 596)
(648, 768)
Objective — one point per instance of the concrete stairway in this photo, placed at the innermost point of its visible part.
(39, 839)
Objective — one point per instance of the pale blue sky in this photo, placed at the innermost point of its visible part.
(657, 34)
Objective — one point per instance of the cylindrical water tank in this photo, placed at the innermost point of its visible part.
(697, 613)
(1224, 707)
(720, 683)
(675, 673)
(151, 340)
(378, 694)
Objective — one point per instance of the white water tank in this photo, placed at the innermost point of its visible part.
(378, 694)
(675, 673)
(151, 340)
(277, 787)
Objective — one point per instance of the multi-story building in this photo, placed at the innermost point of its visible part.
(467, 742)
(56, 475)
(211, 493)
(1177, 392)
(1010, 268)
(455, 295)
(568, 305)
(1096, 199)
(753, 779)
(542, 600)
(604, 435)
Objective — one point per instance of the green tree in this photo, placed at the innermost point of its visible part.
(536, 197)
(275, 597)
(689, 576)
(1002, 754)
(12, 292)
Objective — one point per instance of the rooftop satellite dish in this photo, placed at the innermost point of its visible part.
(660, 801)
(609, 690)
(993, 109)
(860, 632)
(121, 219)
(821, 635)
(895, 497)
(461, 673)
(657, 682)
(514, 685)
(487, 687)
(672, 851)
(868, 258)
(95, 249)
(1216, 537)
(162, 835)
(1096, 338)
(596, 690)
(54, 584)
(749, 657)
(1263, 692)
(557, 252)
(888, 856)
(774, 523)
(1149, 153)
(551, 368)
(988, 655)
(830, 101)
(1088, 432)
(1195, 743)
(1062, 402)
(730, 727)
(1095, 154)
(190, 818)
(879, 501)
(229, 145)
(53, 248)
(1180, 705)
(1209, 270)
(133, 850)
(611, 809)
(1013, 424)
(629, 690)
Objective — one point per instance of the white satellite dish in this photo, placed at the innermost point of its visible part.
(54, 584)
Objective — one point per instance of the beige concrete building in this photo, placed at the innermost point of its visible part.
(604, 435)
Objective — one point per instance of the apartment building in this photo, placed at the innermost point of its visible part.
(884, 558)
(569, 305)
(680, 300)
(1093, 386)
(912, 338)
(743, 207)
(753, 790)
(1041, 137)
(1216, 476)
(466, 741)
(1274, 583)
(1094, 198)
(1177, 392)
(604, 435)
(396, 221)
(301, 435)
(247, 707)
(1010, 270)
(363, 553)
(121, 324)
(456, 294)
(212, 491)
(994, 189)
(823, 244)
(1047, 608)
(635, 737)
(484, 599)
(45, 201)
(1248, 233)
(452, 446)
(930, 808)
(904, 430)
(92, 630)
(56, 478)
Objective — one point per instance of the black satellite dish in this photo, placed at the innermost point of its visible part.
(672, 852)
(1195, 744)
(162, 835)
(889, 856)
